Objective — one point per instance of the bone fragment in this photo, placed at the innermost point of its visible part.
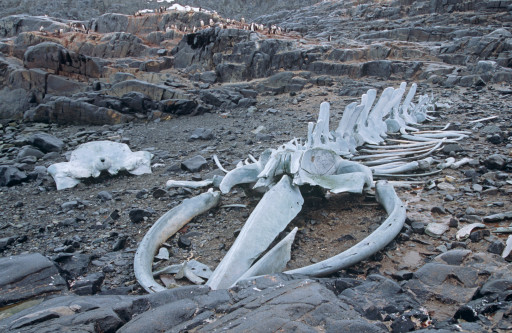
(91, 158)
(482, 119)
(163, 254)
(245, 174)
(199, 269)
(460, 163)
(447, 163)
(272, 214)
(465, 231)
(166, 226)
(186, 272)
(407, 167)
(404, 159)
(219, 165)
(171, 269)
(234, 206)
(376, 241)
(508, 248)
(275, 260)
(408, 175)
(401, 146)
(188, 183)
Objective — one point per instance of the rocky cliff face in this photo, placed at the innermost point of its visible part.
(446, 44)
(84, 10)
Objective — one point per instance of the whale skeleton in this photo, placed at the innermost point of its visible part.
(344, 160)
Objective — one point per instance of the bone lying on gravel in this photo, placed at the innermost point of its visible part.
(186, 272)
(193, 270)
(508, 249)
(272, 214)
(165, 227)
(375, 242)
(215, 181)
(406, 167)
(465, 231)
(91, 158)
(274, 261)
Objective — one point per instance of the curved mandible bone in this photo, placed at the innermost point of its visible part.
(376, 241)
(165, 227)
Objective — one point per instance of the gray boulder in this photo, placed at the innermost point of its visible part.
(13, 102)
(10, 175)
(57, 58)
(28, 276)
(194, 164)
(178, 106)
(65, 110)
(46, 142)
(153, 91)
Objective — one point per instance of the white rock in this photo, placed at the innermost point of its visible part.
(436, 229)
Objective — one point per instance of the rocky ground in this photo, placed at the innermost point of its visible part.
(139, 79)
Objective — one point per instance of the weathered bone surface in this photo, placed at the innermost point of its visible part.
(375, 242)
(508, 248)
(272, 214)
(91, 158)
(465, 231)
(165, 227)
(275, 260)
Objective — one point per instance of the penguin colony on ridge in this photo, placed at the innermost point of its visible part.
(230, 23)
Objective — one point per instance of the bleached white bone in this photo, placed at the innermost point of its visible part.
(92, 158)
(166, 226)
(274, 261)
(375, 242)
(272, 214)
(189, 184)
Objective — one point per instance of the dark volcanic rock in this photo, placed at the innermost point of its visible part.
(178, 106)
(88, 285)
(388, 297)
(495, 161)
(10, 175)
(27, 276)
(57, 58)
(138, 214)
(202, 134)
(194, 164)
(46, 142)
(5, 242)
(65, 110)
(72, 265)
(28, 151)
